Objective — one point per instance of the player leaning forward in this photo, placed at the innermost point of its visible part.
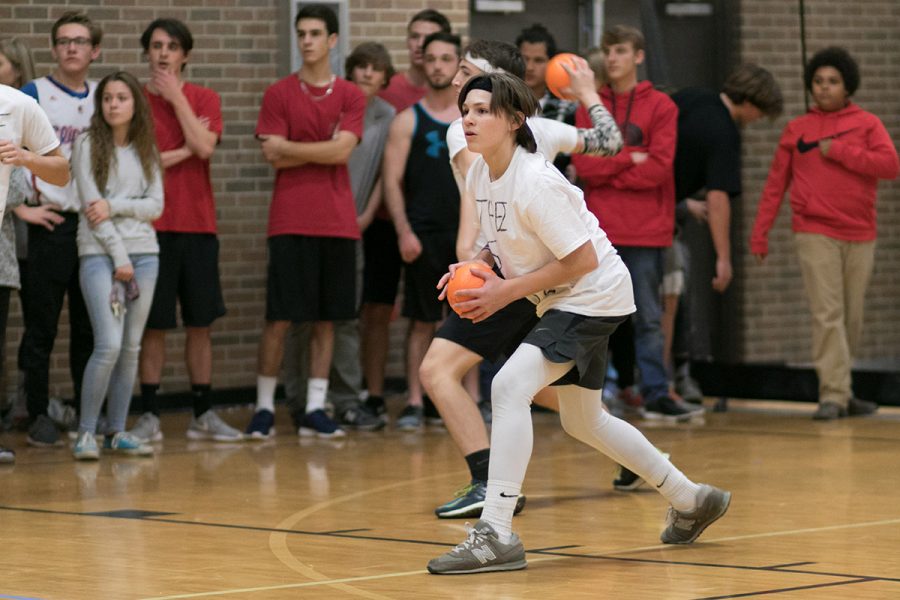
(536, 228)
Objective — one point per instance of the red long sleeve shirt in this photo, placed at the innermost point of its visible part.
(635, 203)
(831, 195)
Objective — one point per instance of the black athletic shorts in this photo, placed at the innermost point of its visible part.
(496, 337)
(311, 279)
(563, 336)
(188, 274)
(420, 293)
(382, 266)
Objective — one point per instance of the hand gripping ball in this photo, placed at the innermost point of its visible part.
(556, 76)
(464, 279)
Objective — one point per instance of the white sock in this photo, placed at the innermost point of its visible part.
(316, 390)
(265, 392)
(499, 506)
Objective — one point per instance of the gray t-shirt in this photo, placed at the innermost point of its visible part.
(365, 161)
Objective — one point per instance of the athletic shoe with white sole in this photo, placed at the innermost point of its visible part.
(481, 552)
(209, 426)
(147, 429)
(469, 502)
(685, 527)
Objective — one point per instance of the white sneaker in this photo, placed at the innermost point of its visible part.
(209, 426)
(146, 428)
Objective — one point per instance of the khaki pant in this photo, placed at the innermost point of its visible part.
(836, 275)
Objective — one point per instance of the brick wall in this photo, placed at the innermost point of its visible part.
(240, 48)
(776, 324)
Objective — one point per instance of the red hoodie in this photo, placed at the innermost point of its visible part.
(832, 195)
(635, 203)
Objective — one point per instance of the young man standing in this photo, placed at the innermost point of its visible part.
(28, 141)
(709, 158)
(67, 98)
(308, 125)
(407, 87)
(633, 196)
(188, 122)
(383, 262)
(423, 200)
(369, 67)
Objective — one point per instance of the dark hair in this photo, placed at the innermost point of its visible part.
(174, 28)
(370, 53)
(840, 59)
(140, 131)
(510, 97)
(500, 55)
(442, 36)
(622, 34)
(753, 84)
(76, 17)
(320, 12)
(431, 16)
(538, 34)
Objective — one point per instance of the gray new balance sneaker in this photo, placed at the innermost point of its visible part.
(146, 428)
(209, 426)
(684, 528)
(481, 552)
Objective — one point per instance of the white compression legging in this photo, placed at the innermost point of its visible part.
(583, 417)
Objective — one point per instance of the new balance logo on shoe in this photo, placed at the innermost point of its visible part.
(502, 495)
(484, 554)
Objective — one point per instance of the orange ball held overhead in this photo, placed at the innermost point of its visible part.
(464, 279)
(556, 76)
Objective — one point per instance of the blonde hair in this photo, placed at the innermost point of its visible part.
(19, 55)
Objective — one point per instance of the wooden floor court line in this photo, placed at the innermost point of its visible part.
(790, 589)
(545, 554)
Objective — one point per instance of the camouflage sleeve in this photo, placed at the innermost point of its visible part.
(604, 139)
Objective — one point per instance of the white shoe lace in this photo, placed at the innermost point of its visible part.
(473, 538)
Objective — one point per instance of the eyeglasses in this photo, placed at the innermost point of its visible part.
(79, 41)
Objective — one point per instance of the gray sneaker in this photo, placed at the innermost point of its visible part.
(482, 551)
(63, 414)
(43, 432)
(209, 426)
(684, 528)
(146, 428)
(411, 419)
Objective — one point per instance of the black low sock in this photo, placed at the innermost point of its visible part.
(148, 398)
(478, 463)
(200, 396)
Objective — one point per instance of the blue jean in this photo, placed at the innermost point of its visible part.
(646, 268)
(112, 368)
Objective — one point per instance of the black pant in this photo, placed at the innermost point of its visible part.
(52, 272)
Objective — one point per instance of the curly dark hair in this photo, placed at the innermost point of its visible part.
(840, 59)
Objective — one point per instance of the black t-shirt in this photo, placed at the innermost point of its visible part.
(431, 193)
(709, 145)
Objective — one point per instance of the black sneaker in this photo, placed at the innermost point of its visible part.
(486, 410)
(432, 416)
(627, 480)
(43, 432)
(376, 406)
(664, 408)
(857, 407)
(361, 418)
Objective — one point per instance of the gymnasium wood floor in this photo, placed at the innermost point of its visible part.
(815, 514)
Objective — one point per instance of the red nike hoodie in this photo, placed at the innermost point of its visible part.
(831, 195)
(635, 203)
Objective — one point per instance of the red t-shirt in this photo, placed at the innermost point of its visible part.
(189, 204)
(312, 199)
(401, 93)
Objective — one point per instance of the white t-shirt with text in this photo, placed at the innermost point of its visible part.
(23, 122)
(532, 216)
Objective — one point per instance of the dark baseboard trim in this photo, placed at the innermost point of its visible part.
(783, 382)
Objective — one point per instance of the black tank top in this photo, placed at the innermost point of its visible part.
(432, 199)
